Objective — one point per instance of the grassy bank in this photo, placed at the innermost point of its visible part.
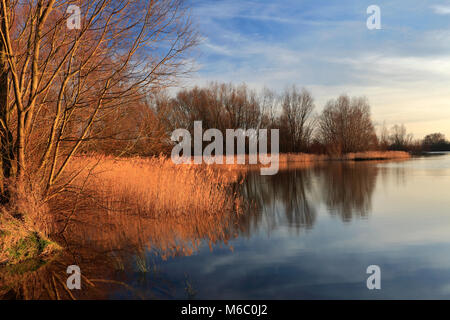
(19, 243)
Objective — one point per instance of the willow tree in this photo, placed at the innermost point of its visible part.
(66, 65)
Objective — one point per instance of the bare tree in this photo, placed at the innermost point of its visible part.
(399, 138)
(346, 126)
(58, 85)
(434, 138)
(220, 106)
(384, 137)
(297, 118)
(268, 105)
(436, 142)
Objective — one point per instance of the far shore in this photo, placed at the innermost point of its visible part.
(357, 156)
(303, 160)
(285, 158)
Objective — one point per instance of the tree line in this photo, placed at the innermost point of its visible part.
(343, 126)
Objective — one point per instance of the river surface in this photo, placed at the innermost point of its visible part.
(311, 233)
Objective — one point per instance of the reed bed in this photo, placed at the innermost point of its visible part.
(378, 155)
(153, 203)
(156, 187)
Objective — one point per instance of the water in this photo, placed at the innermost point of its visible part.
(311, 234)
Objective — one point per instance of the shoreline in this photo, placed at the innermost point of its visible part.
(308, 159)
(354, 156)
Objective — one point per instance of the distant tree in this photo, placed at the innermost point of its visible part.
(434, 138)
(384, 138)
(297, 118)
(436, 142)
(219, 106)
(345, 126)
(399, 138)
(268, 105)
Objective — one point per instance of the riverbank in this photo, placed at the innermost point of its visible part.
(19, 242)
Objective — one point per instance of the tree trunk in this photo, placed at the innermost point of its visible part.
(6, 137)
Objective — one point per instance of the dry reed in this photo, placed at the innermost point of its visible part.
(155, 187)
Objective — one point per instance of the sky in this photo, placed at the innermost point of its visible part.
(325, 46)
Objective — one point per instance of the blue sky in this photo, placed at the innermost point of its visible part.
(325, 46)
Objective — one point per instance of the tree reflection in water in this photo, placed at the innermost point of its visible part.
(292, 196)
(347, 188)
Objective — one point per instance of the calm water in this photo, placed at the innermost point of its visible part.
(311, 234)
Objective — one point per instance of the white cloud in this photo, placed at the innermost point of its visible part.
(442, 10)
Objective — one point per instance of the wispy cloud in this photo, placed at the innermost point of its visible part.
(439, 9)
